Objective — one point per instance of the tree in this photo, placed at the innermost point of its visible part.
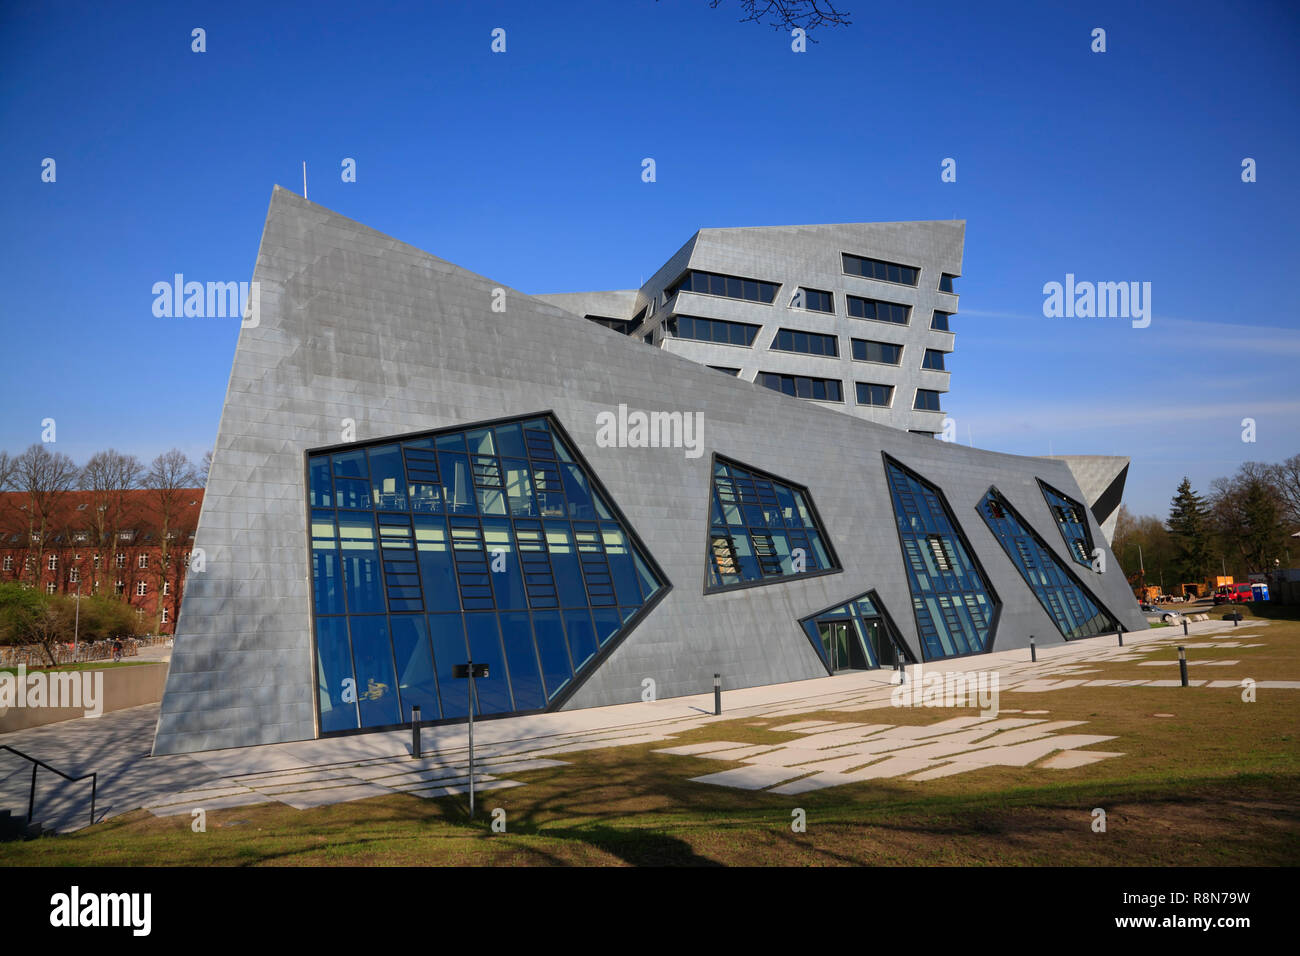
(1189, 524)
(204, 468)
(1263, 537)
(1285, 478)
(29, 617)
(170, 480)
(108, 476)
(786, 15)
(1249, 514)
(6, 470)
(44, 477)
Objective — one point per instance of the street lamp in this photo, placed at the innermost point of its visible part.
(76, 625)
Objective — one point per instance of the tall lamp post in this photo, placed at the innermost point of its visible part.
(76, 625)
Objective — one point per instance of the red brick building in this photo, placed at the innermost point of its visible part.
(107, 544)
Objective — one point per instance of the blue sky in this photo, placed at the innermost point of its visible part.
(1115, 166)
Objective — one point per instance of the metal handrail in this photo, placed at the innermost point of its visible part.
(31, 800)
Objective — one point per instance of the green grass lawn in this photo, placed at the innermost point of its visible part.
(1216, 782)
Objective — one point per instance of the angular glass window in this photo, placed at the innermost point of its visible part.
(1072, 522)
(856, 635)
(711, 330)
(871, 394)
(945, 283)
(732, 287)
(1067, 602)
(493, 541)
(809, 343)
(934, 360)
(814, 300)
(939, 321)
(878, 310)
(927, 400)
(876, 269)
(954, 605)
(886, 353)
(763, 529)
(803, 386)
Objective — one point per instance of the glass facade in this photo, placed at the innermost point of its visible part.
(945, 283)
(809, 343)
(939, 321)
(884, 271)
(933, 359)
(757, 523)
(804, 386)
(855, 635)
(1072, 523)
(732, 287)
(1066, 601)
(490, 542)
(886, 353)
(953, 603)
(878, 310)
(711, 330)
(927, 400)
(815, 300)
(871, 394)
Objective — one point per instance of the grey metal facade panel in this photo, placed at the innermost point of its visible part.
(355, 325)
(810, 256)
(1096, 475)
(616, 304)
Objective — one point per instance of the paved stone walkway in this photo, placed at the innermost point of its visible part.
(819, 754)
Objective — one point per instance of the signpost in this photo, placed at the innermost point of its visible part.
(470, 670)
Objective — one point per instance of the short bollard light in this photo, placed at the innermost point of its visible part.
(1119, 633)
(717, 695)
(1184, 627)
(902, 670)
(1033, 650)
(1182, 664)
(1236, 616)
(415, 731)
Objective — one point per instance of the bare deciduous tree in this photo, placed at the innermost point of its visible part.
(170, 480)
(108, 476)
(789, 14)
(6, 470)
(1285, 477)
(43, 477)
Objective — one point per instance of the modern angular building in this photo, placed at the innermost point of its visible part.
(417, 466)
(853, 316)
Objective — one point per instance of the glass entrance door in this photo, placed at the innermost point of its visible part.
(843, 645)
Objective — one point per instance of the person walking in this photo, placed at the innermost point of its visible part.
(117, 650)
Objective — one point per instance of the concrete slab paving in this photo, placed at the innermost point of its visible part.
(750, 777)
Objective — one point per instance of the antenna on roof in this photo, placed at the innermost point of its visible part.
(304, 179)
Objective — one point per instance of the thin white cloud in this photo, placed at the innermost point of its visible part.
(1187, 334)
(1084, 416)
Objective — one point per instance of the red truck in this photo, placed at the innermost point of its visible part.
(1234, 594)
